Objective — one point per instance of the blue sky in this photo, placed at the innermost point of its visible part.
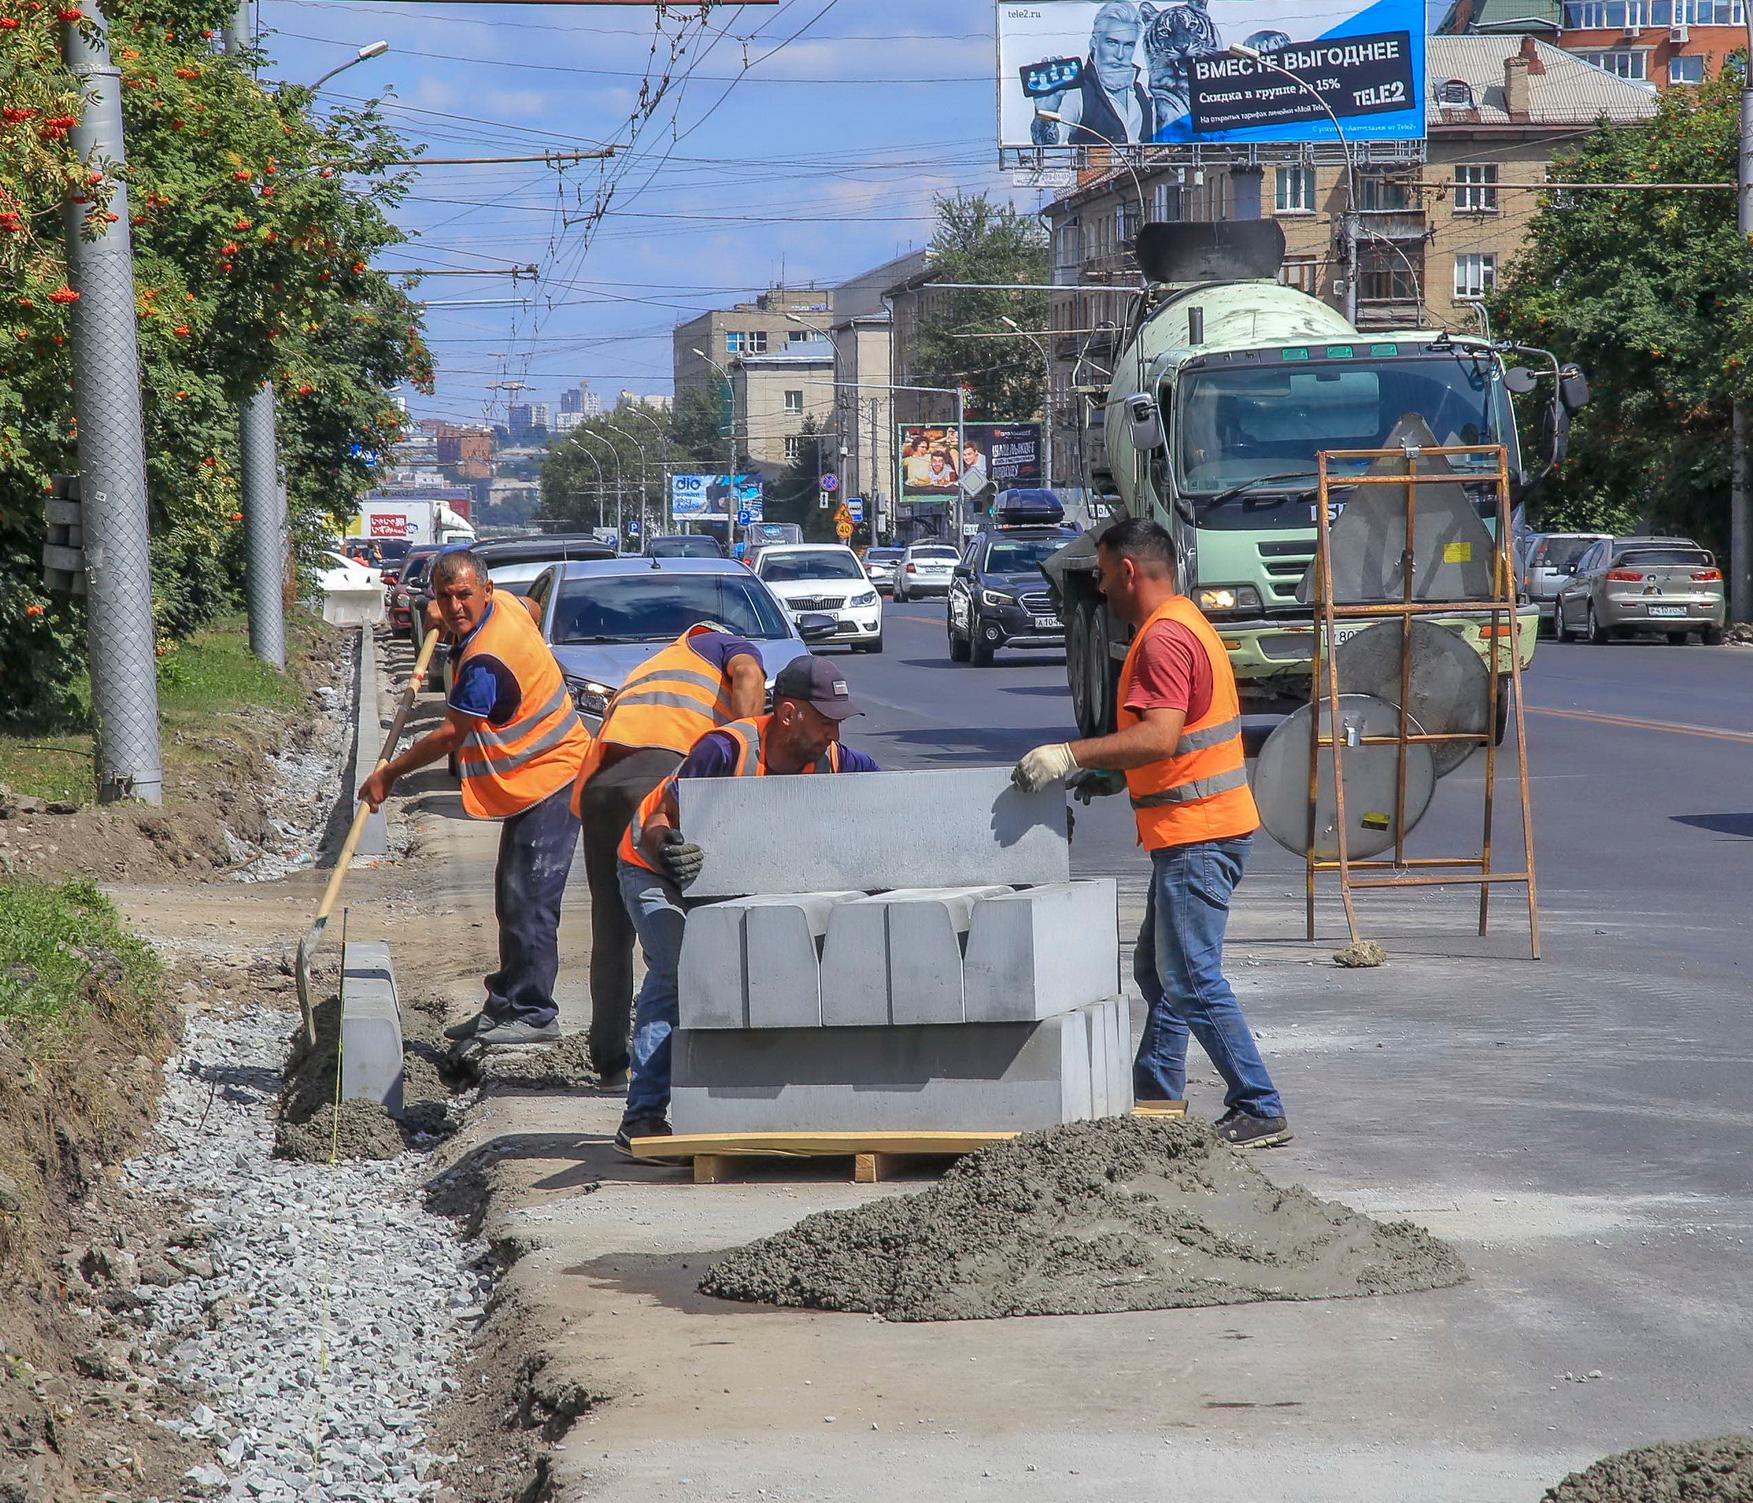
(818, 161)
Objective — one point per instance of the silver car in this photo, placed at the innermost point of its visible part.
(882, 564)
(1640, 585)
(926, 569)
(1549, 561)
(603, 618)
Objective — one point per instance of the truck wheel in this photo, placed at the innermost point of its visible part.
(1102, 675)
(1503, 714)
(1077, 646)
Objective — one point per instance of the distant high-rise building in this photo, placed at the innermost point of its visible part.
(518, 422)
(541, 416)
(581, 399)
(569, 399)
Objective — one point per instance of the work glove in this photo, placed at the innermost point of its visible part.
(681, 858)
(1042, 766)
(1089, 783)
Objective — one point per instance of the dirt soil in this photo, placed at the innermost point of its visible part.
(1093, 1217)
(1699, 1471)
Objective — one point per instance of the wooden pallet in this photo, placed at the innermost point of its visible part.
(875, 1156)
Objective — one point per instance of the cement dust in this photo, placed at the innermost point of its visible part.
(1699, 1471)
(1089, 1218)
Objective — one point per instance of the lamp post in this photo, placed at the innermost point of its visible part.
(1046, 395)
(620, 470)
(730, 467)
(363, 55)
(602, 484)
(663, 445)
(1348, 230)
(1117, 147)
(1740, 501)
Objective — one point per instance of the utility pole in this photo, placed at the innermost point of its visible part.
(258, 453)
(1740, 505)
(112, 446)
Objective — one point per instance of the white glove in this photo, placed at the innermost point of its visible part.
(1044, 765)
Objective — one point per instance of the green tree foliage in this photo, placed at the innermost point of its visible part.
(978, 240)
(796, 495)
(1648, 292)
(253, 229)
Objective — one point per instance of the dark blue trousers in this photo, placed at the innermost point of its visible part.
(535, 858)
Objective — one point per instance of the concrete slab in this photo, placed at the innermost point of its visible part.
(971, 826)
(371, 1026)
(965, 1077)
(709, 974)
(755, 962)
(855, 965)
(928, 931)
(368, 734)
(1120, 1053)
(1041, 951)
(1099, 1035)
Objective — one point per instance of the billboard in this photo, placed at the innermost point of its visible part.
(934, 468)
(714, 496)
(1134, 71)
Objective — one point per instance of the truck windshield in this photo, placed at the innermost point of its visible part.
(1245, 423)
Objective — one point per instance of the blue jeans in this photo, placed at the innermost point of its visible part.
(1179, 967)
(535, 859)
(655, 905)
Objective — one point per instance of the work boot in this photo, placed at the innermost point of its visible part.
(1242, 1129)
(642, 1127)
(469, 1026)
(516, 1031)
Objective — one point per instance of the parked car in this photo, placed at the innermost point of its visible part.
(1641, 585)
(826, 578)
(684, 545)
(604, 617)
(998, 596)
(881, 564)
(925, 569)
(399, 592)
(335, 571)
(1551, 559)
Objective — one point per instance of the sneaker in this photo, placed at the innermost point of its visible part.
(641, 1127)
(1244, 1130)
(469, 1026)
(516, 1031)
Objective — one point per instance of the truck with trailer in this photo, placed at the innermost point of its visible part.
(398, 523)
(1228, 385)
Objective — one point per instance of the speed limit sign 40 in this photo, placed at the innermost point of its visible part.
(843, 530)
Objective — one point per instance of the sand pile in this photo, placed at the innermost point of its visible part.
(1698, 1471)
(1093, 1217)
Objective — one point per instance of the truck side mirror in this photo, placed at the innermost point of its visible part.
(1573, 387)
(1520, 380)
(1146, 422)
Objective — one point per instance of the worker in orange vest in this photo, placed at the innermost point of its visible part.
(657, 861)
(519, 743)
(1178, 753)
(704, 678)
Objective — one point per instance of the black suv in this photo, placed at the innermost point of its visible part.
(998, 597)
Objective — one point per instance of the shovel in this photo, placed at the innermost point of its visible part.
(307, 945)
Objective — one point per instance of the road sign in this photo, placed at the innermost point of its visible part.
(822, 501)
(744, 517)
(855, 508)
(843, 530)
(633, 528)
(830, 483)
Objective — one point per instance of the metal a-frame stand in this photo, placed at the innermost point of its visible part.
(1500, 605)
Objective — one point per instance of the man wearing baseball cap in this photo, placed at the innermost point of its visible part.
(656, 860)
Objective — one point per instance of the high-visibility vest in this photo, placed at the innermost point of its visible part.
(1201, 792)
(750, 737)
(509, 768)
(667, 703)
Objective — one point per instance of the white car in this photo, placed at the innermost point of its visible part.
(336, 571)
(826, 579)
(881, 564)
(925, 569)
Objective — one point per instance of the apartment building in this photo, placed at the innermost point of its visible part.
(1666, 43)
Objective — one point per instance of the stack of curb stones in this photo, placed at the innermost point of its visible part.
(916, 957)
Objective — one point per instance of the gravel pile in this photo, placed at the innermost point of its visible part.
(1089, 1218)
(299, 1403)
(304, 793)
(1698, 1471)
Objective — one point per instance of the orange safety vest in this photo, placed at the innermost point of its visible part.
(1201, 792)
(507, 769)
(668, 702)
(750, 737)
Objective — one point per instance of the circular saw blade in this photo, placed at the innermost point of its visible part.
(1281, 780)
(1450, 684)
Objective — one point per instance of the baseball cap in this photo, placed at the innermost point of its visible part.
(818, 683)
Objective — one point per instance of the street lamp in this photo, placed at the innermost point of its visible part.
(730, 427)
(1046, 396)
(620, 472)
(602, 483)
(363, 55)
(1117, 147)
(663, 441)
(1259, 59)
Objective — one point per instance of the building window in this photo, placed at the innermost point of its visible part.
(1476, 190)
(745, 341)
(1628, 62)
(1584, 15)
(1713, 13)
(1475, 274)
(1389, 274)
(1293, 190)
(1067, 252)
(793, 448)
(1383, 194)
(800, 336)
(794, 403)
(1302, 273)
(1165, 201)
(1686, 70)
(1456, 93)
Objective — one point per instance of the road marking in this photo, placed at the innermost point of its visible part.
(1715, 733)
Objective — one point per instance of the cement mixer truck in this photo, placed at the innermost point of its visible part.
(1227, 386)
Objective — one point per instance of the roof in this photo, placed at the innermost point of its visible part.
(1562, 89)
(1473, 17)
(539, 550)
(590, 568)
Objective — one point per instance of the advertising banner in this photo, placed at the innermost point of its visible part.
(999, 455)
(714, 496)
(1130, 71)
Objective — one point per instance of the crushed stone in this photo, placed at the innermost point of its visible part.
(1089, 1218)
(1698, 1471)
(1361, 955)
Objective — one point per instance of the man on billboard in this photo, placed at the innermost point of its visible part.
(1109, 103)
